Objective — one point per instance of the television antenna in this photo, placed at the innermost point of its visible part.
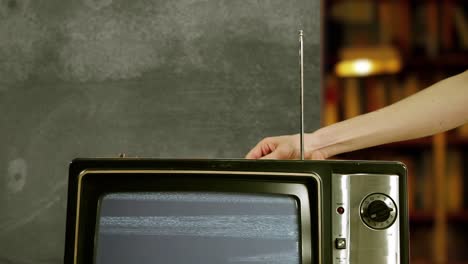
(301, 66)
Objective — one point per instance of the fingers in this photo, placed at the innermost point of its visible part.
(264, 147)
(272, 148)
(284, 147)
(255, 153)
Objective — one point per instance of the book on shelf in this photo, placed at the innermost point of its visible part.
(424, 179)
(376, 94)
(461, 25)
(403, 24)
(386, 22)
(353, 12)
(432, 33)
(331, 101)
(411, 85)
(447, 26)
(355, 18)
(395, 91)
(454, 181)
(465, 182)
(351, 98)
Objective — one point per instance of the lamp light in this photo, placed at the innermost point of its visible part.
(366, 61)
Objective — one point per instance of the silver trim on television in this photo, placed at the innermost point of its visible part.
(364, 245)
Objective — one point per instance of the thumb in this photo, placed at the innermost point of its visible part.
(276, 154)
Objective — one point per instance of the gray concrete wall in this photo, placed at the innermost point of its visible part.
(152, 78)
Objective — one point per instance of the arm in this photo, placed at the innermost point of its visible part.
(438, 108)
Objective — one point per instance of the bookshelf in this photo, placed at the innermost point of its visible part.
(431, 40)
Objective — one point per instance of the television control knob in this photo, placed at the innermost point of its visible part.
(378, 211)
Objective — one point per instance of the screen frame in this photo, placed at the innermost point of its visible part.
(92, 185)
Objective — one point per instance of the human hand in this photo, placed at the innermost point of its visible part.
(285, 147)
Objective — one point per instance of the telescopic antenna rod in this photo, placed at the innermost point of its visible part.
(301, 65)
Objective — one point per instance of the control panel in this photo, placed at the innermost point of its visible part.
(365, 224)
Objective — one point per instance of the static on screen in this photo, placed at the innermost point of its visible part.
(191, 227)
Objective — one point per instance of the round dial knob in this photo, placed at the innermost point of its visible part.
(378, 211)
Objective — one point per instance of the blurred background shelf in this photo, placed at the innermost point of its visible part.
(450, 60)
(459, 217)
(378, 52)
(420, 217)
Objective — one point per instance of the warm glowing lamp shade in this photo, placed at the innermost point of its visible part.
(365, 61)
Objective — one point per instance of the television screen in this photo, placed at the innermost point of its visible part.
(197, 227)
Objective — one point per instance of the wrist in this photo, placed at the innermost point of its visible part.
(332, 140)
(313, 146)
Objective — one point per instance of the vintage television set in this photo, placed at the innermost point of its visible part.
(131, 210)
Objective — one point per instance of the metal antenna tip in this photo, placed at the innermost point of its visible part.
(301, 32)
